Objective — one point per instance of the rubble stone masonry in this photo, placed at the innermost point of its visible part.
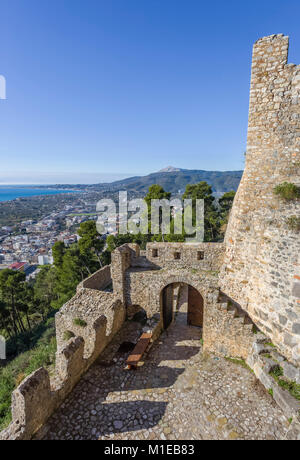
(261, 270)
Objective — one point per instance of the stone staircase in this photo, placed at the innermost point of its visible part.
(228, 330)
(263, 359)
(234, 311)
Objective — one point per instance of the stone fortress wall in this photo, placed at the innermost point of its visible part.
(226, 331)
(87, 323)
(253, 277)
(261, 270)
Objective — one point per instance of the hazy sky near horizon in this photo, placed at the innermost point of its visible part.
(102, 89)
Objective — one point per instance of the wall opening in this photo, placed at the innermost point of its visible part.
(154, 252)
(184, 300)
(167, 305)
(195, 307)
(200, 255)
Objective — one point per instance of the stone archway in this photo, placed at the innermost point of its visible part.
(184, 297)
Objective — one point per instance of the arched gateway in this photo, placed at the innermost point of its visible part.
(184, 299)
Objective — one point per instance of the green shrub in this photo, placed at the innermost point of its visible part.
(79, 322)
(293, 223)
(68, 335)
(287, 191)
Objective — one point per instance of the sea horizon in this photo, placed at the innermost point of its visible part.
(10, 192)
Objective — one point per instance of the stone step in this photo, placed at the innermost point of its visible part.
(237, 315)
(248, 320)
(232, 311)
(241, 319)
(223, 305)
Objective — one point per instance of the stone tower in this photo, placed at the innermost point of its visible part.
(261, 270)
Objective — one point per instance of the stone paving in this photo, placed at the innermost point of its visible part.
(178, 394)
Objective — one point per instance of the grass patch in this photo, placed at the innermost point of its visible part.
(267, 355)
(270, 344)
(270, 391)
(239, 362)
(287, 191)
(292, 387)
(12, 374)
(293, 223)
(68, 335)
(43, 330)
(80, 322)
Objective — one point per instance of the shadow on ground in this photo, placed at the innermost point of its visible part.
(90, 404)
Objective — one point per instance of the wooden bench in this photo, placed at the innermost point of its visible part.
(138, 351)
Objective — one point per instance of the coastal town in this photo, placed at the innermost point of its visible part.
(28, 245)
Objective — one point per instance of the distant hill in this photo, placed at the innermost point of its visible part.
(172, 179)
(175, 180)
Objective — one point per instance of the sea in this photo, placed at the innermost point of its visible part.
(8, 193)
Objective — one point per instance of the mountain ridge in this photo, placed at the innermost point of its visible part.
(175, 180)
(172, 179)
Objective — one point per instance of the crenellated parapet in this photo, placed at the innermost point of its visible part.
(198, 256)
(101, 315)
(79, 315)
(100, 280)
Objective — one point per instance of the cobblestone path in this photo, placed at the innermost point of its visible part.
(177, 394)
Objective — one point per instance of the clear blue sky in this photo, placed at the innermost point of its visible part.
(97, 89)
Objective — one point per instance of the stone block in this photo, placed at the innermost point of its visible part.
(296, 328)
(296, 290)
(290, 371)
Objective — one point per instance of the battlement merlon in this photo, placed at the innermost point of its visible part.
(270, 54)
(274, 96)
